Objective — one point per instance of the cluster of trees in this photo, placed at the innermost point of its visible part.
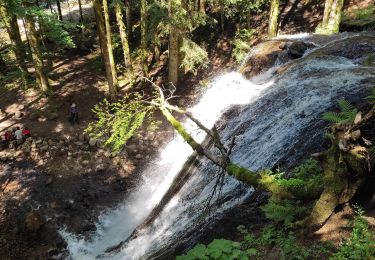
(163, 25)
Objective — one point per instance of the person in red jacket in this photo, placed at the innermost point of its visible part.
(26, 133)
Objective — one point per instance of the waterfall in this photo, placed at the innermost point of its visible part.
(270, 116)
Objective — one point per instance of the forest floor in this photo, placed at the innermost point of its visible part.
(63, 180)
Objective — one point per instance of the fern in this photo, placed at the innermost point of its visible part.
(345, 116)
(371, 98)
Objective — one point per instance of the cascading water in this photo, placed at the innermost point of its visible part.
(268, 115)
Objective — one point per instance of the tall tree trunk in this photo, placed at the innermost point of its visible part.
(13, 30)
(50, 6)
(273, 25)
(123, 36)
(332, 16)
(41, 76)
(80, 11)
(112, 81)
(174, 36)
(202, 7)
(59, 10)
(143, 37)
(129, 24)
(3, 66)
(222, 16)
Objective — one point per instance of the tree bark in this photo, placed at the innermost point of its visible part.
(3, 66)
(123, 36)
(174, 39)
(144, 53)
(112, 81)
(13, 30)
(332, 16)
(60, 16)
(80, 11)
(202, 7)
(273, 25)
(41, 75)
(129, 24)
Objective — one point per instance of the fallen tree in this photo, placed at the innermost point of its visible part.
(346, 164)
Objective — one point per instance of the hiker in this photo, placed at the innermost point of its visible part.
(8, 136)
(73, 118)
(26, 133)
(18, 135)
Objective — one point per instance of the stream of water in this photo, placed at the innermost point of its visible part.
(269, 115)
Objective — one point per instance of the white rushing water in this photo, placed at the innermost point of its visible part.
(268, 120)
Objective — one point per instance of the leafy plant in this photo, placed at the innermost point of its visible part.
(194, 57)
(371, 98)
(241, 43)
(118, 121)
(361, 243)
(345, 116)
(284, 211)
(220, 249)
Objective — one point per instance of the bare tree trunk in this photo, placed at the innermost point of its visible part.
(80, 11)
(112, 81)
(129, 24)
(123, 36)
(332, 16)
(273, 25)
(143, 37)
(174, 39)
(13, 30)
(3, 66)
(202, 7)
(37, 55)
(59, 10)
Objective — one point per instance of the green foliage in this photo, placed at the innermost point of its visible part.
(194, 57)
(361, 18)
(361, 243)
(283, 242)
(220, 249)
(241, 9)
(241, 43)
(371, 98)
(119, 121)
(56, 31)
(345, 116)
(284, 211)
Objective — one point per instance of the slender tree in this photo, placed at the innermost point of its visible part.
(174, 39)
(129, 24)
(41, 75)
(331, 17)
(143, 11)
(123, 35)
(59, 10)
(103, 38)
(80, 10)
(273, 25)
(10, 21)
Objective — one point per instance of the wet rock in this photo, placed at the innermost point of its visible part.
(88, 227)
(139, 156)
(34, 221)
(297, 49)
